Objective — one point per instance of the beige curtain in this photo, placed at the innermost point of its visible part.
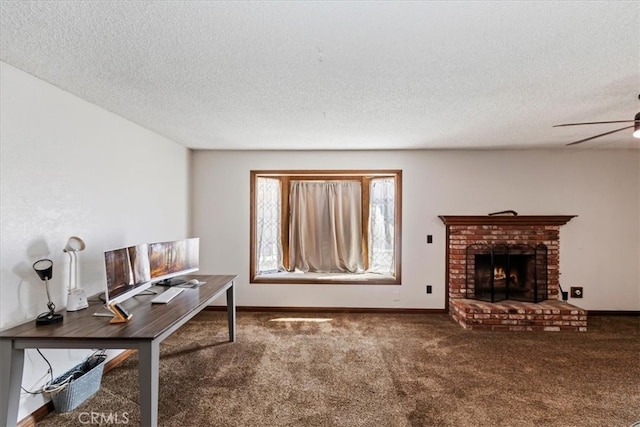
(325, 227)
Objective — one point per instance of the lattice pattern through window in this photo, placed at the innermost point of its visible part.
(381, 225)
(269, 250)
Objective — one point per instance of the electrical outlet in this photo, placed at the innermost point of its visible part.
(429, 238)
(429, 289)
(396, 295)
(576, 292)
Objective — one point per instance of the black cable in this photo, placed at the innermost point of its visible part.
(45, 359)
(50, 372)
(31, 392)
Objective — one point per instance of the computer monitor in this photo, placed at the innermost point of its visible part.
(169, 260)
(128, 272)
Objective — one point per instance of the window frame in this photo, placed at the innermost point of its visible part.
(363, 176)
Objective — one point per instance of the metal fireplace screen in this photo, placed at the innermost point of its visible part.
(501, 272)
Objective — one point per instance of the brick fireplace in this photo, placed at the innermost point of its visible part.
(503, 274)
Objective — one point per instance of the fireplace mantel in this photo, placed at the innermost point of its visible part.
(506, 220)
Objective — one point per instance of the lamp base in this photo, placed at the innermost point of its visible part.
(76, 300)
(48, 318)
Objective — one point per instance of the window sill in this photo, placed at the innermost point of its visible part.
(326, 278)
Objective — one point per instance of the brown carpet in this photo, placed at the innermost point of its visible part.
(380, 370)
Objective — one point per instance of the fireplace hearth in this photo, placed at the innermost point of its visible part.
(502, 273)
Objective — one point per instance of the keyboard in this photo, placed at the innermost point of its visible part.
(166, 296)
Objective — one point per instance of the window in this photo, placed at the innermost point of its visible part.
(325, 226)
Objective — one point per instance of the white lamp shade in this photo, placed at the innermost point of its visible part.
(74, 244)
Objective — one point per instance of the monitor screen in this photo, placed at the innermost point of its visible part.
(168, 260)
(128, 272)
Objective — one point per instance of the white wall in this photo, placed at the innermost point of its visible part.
(69, 168)
(599, 249)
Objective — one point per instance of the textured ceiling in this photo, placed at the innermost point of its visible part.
(341, 75)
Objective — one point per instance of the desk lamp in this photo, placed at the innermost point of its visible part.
(76, 298)
(44, 268)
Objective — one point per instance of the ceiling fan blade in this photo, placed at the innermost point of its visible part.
(596, 123)
(598, 136)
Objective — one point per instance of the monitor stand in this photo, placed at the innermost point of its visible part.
(105, 311)
(174, 281)
(146, 292)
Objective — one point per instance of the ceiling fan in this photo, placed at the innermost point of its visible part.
(635, 126)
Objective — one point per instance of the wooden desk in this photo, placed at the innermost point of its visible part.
(149, 326)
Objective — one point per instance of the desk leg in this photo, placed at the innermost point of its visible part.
(148, 368)
(231, 312)
(10, 381)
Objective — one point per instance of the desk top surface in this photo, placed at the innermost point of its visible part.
(148, 320)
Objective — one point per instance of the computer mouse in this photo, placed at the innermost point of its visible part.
(193, 282)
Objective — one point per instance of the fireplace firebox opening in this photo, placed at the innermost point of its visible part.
(506, 272)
